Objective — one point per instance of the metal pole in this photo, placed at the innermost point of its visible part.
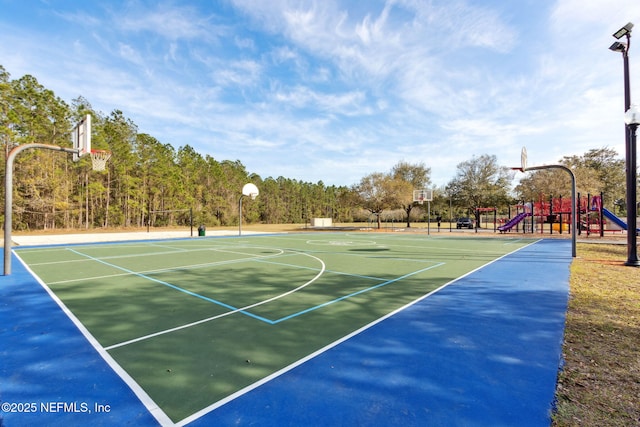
(579, 215)
(573, 201)
(240, 216)
(550, 214)
(630, 152)
(632, 248)
(8, 195)
(428, 218)
(601, 214)
(533, 225)
(495, 218)
(8, 204)
(450, 214)
(560, 200)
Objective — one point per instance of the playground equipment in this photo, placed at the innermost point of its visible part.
(486, 212)
(613, 218)
(514, 221)
(617, 224)
(555, 211)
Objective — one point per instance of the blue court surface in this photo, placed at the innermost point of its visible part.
(483, 350)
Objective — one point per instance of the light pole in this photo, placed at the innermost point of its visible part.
(630, 147)
(632, 120)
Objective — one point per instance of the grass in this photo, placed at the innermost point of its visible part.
(600, 382)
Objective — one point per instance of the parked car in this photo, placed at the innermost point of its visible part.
(464, 223)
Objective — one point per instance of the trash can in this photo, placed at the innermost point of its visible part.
(201, 230)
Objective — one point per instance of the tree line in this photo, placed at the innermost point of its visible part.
(149, 183)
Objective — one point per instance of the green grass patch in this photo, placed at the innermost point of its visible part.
(600, 383)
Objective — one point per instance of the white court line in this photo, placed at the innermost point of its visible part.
(251, 257)
(237, 310)
(204, 411)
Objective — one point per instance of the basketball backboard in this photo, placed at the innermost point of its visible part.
(422, 196)
(81, 137)
(250, 190)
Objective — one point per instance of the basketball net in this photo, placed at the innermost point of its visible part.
(99, 159)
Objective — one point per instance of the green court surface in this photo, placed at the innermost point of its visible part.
(195, 322)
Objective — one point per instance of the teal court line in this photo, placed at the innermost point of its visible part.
(148, 254)
(158, 270)
(302, 267)
(488, 384)
(271, 322)
(388, 282)
(177, 288)
(507, 360)
(243, 310)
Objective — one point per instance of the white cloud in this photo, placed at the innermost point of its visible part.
(333, 90)
(128, 53)
(243, 73)
(169, 21)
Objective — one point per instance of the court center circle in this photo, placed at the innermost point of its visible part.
(329, 242)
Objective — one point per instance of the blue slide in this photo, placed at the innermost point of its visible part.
(617, 221)
(513, 221)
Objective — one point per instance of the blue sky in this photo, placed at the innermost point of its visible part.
(333, 90)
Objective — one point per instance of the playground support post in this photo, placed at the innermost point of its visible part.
(579, 215)
(550, 219)
(601, 214)
(573, 200)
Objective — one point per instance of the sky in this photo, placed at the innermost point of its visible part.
(334, 90)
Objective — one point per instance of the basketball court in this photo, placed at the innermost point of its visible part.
(287, 329)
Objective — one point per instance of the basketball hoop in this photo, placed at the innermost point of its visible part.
(99, 159)
(421, 196)
(250, 190)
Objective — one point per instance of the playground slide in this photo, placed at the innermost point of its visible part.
(617, 221)
(513, 221)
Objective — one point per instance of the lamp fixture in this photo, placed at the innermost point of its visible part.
(632, 116)
(618, 47)
(623, 31)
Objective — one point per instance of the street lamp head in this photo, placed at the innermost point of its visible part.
(623, 31)
(632, 116)
(618, 47)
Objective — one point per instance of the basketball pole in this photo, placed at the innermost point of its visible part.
(428, 218)
(8, 192)
(240, 215)
(574, 222)
(250, 190)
